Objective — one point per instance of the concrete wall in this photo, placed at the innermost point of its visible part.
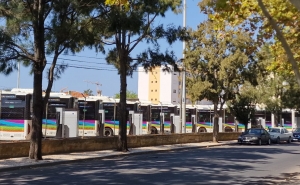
(58, 146)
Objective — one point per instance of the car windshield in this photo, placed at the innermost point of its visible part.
(277, 130)
(296, 130)
(253, 131)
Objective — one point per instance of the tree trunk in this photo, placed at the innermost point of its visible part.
(246, 126)
(280, 118)
(35, 151)
(276, 119)
(122, 139)
(216, 124)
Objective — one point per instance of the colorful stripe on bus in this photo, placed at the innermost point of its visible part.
(11, 125)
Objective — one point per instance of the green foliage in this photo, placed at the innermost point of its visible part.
(248, 16)
(124, 25)
(129, 95)
(88, 92)
(125, 29)
(34, 29)
(243, 106)
(218, 63)
(63, 30)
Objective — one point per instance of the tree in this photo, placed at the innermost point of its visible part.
(218, 62)
(34, 29)
(276, 85)
(88, 92)
(126, 24)
(129, 95)
(243, 106)
(263, 20)
(272, 90)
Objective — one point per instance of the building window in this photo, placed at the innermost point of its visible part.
(151, 90)
(155, 81)
(155, 90)
(151, 81)
(155, 99)
(174, 91)
(175, 74)
(151, 99)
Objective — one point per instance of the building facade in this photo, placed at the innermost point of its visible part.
(159, 86)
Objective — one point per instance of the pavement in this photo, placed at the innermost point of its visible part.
(48, 160)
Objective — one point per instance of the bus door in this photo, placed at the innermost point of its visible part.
(162, 121)
(194, 126)
(100, 126)
(131, 125)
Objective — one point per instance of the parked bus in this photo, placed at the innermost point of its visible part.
(89, 116)
(56, 100)
(110, 107)
(15, 115)
(162, 113)
(145, 109)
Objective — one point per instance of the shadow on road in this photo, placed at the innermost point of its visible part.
(218, 165)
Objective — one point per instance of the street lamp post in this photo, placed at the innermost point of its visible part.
(161, 119)
(183, 107)
(83, 115)
(115, 104)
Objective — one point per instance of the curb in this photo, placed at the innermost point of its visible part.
(114, 155)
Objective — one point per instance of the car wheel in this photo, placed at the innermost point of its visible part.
(278, 140)
(259, 142)
(269, 141)
(289, 140)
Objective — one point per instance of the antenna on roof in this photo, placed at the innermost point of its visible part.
(99, 92)
(62, 90)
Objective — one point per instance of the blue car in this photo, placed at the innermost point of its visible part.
(296, 134)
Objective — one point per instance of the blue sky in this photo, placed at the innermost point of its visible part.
(77, 79)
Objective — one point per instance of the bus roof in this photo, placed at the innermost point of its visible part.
(104, 99)
(15, 93)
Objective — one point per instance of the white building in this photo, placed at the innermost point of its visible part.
(159, 86)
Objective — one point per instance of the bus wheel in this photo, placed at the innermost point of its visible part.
(154, 130)
(202, 129)
(108, 132)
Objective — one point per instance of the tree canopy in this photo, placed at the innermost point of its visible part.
(129, 95)
(123, 25)
(33, 30)
(218, 62)
(275, 20)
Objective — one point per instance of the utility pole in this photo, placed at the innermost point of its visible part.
(183, 107)
(84, 110)
(18, 78)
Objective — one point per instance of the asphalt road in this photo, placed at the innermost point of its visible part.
(235, 164)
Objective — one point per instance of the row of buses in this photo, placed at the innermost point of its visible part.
(16, 108)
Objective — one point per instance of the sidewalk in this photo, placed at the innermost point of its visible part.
(24, 162)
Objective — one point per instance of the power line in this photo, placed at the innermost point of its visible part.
(91, 67)
(85, 67)
(83, 61)
(82, 56)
